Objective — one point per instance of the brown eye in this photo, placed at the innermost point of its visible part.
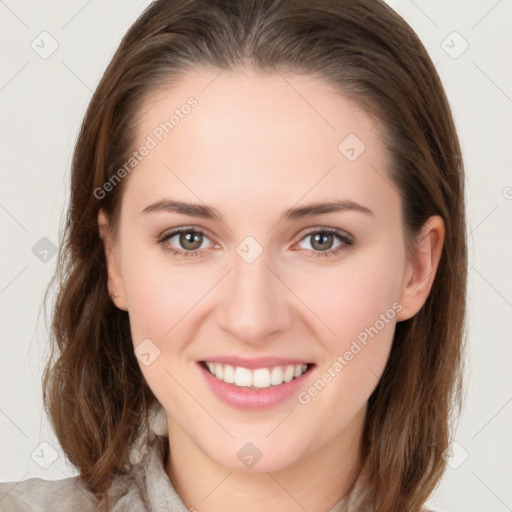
(323, 242)
(185, 242)
(190, 240)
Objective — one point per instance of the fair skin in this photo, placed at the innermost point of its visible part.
(255, 146)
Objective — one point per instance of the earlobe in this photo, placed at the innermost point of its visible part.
(422, 267)
(115, 280)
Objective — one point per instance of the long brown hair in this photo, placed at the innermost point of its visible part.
(94, 391)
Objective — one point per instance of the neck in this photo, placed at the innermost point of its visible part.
(315, 483)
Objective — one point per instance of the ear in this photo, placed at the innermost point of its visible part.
(115, 279)
(421, 267)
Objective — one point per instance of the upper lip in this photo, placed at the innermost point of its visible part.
(258, 362)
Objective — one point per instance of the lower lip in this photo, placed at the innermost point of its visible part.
(253, 399)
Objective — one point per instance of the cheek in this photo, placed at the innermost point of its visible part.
(361, 310)
(357, 306)
(162, 299)
(354, 296)
(159, 295)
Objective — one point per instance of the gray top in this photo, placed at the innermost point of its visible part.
(145, 488)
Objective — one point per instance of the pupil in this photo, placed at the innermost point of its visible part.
(317, 239)
(188, 238)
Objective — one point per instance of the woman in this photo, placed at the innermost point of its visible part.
(265, 249)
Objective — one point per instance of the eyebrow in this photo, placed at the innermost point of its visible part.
(208, 212)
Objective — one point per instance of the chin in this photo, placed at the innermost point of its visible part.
(257, 455)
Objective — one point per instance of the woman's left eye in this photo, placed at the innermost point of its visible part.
(191, 241)
(322, 241)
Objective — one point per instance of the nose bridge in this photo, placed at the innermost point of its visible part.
(255, 305)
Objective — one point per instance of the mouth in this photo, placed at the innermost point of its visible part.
(256, 378)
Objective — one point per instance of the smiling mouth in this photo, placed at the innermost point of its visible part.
(258, 378)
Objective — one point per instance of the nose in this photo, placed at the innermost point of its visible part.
(256, 305)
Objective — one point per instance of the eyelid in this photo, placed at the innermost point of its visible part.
(326, 229)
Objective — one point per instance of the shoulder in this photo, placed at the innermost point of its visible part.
(145, 482)
(37, 495)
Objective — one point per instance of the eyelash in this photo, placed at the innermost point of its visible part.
(347, 242)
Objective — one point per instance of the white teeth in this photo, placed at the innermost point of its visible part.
(218, 370)
(276, 377)
(259, 378)
(243, 376)
(288, 373)
(229, 374)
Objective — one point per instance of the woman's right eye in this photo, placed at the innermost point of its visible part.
(189, 239)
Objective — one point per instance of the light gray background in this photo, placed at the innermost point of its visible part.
(42, 102)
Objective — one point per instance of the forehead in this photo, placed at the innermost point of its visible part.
(267, 135)
(256, 106)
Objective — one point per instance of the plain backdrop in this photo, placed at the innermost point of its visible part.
(53, 54)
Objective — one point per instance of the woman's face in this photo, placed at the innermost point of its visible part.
(252, 282)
